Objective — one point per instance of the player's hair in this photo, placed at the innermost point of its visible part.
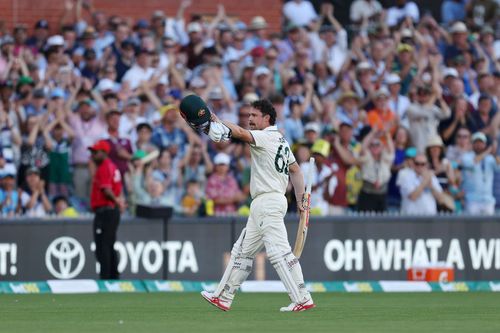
(267, 108)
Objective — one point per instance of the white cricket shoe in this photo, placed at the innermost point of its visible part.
(298, 307)
(216, 301)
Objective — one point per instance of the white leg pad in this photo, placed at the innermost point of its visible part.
(237, 270)
(288, 268)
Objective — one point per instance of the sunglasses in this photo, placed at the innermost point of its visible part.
(420, 163)
(463, 136)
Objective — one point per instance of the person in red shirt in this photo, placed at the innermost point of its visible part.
(106, 202)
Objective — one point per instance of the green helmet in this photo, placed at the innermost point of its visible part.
(196, 112)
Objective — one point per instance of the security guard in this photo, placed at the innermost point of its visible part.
(106, 202)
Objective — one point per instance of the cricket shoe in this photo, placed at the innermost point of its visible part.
(216, 301)
(298, 307)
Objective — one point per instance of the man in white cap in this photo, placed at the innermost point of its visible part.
(479, 167)
(397, 103)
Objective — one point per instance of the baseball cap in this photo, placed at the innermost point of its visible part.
(312, 127)
(142, 24)
(258, 51)
(133, 101)
(106, 84)
(101, 145)
(9, 170)
(479, 136)
(194, 27)
(392, 78)
(142, 125)
(261, 70)
(249, 98)
(403, 47)
(363, 66)
(56, 40)
(382, 91)
(450, 71)
(222, 158)
(321, 147)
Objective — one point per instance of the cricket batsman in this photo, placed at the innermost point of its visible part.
(272, 162)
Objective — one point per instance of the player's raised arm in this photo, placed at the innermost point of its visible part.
(236, 131)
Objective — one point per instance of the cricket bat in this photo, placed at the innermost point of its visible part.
(304, 216)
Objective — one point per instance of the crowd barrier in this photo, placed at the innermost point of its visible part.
(348, 248)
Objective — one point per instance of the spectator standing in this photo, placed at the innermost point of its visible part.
(398, 103)
(375, 160)
(59, 135)
(419, 188)
(424, 115)
(9, 196)
(323, 176)
(88, 127)
(192, 200)
(34, 148)
(344, 153)
(34, 199)
(223, 188)
(478, 167)
(121, 147)
(148, 190)
(106, 202)
(462, 145)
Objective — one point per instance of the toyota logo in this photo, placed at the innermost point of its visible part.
(65, 258)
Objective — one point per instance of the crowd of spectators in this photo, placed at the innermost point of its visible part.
(399, 110)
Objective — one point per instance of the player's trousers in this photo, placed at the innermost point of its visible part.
(265, 228)
(106, 222)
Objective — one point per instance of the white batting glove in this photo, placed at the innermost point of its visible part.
(219, 132)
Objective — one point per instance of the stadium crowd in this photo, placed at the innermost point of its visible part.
(399, 110)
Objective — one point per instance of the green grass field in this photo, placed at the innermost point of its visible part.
(188, 312)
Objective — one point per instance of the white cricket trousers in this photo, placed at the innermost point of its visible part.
(265, 227)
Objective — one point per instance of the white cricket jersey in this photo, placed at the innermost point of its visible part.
(271, 157)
